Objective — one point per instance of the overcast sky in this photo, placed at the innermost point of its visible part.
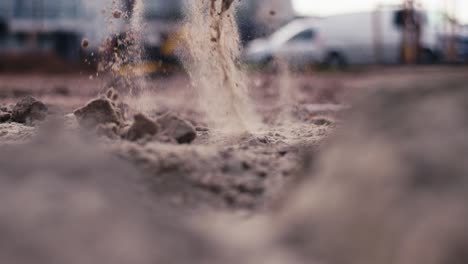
(321, 7)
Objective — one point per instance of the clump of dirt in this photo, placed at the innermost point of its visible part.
(29, 110)
(141, 127)
(182, 131)
(5, 114)
(101, 111)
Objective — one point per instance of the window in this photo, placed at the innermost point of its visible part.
(38, 9)
(306, 35)
(164, 9)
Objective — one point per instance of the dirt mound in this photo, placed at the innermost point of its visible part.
(392, 186)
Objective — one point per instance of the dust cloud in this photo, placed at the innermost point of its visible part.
(212, 61)
(122, 52)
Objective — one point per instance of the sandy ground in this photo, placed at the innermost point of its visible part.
(246, 176)
(220, 170)
(244, 171)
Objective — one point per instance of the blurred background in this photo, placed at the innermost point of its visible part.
(338, 34)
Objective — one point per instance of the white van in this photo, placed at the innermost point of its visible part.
(162, 19)
(375, 36)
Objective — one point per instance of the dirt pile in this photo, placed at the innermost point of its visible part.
(391, 187)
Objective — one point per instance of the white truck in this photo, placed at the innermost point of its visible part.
(350, 39)
(376, 36)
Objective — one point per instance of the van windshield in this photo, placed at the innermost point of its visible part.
(163, 9)
(288, 32)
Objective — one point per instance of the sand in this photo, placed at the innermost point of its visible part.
(338, 176)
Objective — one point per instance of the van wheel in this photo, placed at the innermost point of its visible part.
(335, 61)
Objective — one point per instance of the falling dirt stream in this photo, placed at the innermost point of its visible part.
(213, 64)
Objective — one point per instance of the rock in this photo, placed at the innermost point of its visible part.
(142, 127)
(100, 111)
(177, 128)
(28, 110)
(4, 117)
